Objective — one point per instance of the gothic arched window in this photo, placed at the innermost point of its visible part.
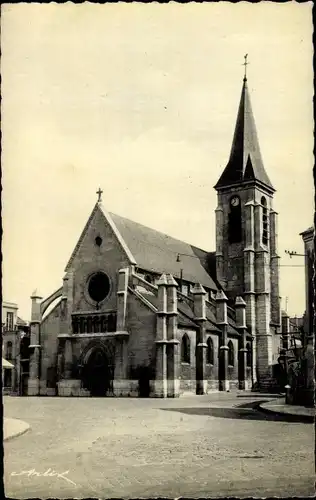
(231, 355)
(9, 351)
(264, 221)
(234, 220)
(248, 347)
(185, 349)
(210, 352)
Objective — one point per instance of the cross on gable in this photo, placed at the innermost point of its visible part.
(246, 64)
(99, 193)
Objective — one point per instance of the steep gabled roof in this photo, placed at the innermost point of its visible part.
(245, 163)
(20, 322)
(107, 218)
(157, 252)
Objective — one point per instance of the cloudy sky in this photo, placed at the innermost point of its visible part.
(142, 100)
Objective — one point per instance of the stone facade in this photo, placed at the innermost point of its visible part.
(149, 353)
(130, 321)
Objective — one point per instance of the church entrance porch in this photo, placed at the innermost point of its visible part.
(97, 374)
(97, 364)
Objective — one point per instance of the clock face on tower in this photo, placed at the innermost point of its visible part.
(234, 201)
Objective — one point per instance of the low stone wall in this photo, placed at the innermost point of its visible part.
(7, 391)
(212, 385)
(68, 388)
(187, 385)
(33, 387)
(130, 388)
(233, 384)
(125, 388)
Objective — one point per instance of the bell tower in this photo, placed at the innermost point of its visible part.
(247, 263)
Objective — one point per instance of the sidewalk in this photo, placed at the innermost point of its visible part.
(279, 407)
(262, 395)
(13, 428)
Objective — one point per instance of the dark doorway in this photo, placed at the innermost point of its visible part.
(279, 374)
(7, 378)
(143, 382)
(96, 374)
(24, 384)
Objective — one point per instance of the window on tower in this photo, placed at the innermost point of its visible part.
(264, 221)
(234, 220)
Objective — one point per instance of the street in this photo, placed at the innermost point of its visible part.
(214, 445)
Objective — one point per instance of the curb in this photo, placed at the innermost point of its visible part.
(294, 417)
(260, 395)
(26, 428)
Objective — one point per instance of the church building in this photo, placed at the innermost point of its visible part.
(140, 313)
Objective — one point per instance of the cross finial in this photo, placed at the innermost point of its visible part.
(99, 193)
(245, 64)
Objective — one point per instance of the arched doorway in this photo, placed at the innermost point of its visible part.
(144, 382)
(97, 373)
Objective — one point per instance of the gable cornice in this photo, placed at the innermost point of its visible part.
(107, 217)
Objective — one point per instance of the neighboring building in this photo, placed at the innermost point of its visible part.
(9, 316)
(141, 313)
(7, 369)
(307, 395)
(14, 334)
(309, 252)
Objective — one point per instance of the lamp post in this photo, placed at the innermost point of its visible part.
(181, 272)
(282, 360)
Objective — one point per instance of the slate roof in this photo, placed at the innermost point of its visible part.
(186, 316)
(309, 230)
(157, 252)
(21, 322)
(245, 162)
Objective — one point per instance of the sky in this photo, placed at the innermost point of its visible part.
(141, 100)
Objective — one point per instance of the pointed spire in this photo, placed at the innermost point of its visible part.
(198, 289)
(171, 281)
(245, 162)
(162, 280)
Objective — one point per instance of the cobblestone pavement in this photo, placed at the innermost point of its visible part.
(215, 445)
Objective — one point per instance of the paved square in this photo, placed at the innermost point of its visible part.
(193, 446)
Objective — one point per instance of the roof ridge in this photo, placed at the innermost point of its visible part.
(160, 232)
(108, 218)
(70, 261)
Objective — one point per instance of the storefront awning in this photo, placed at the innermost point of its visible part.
(6, 364)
